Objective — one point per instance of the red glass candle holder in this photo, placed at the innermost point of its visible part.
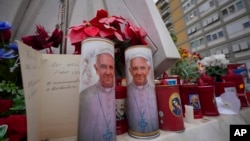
(190, 96)
(243, 99)
(220, 87)
(238, 80)
(169, 108)
(240, 87)
(248, 96)
(121, 120)
(207, 99)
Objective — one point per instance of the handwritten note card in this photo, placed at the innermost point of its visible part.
(51, 87)
(30, 65)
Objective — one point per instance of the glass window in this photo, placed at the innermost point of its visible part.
(192, 45)
(197, 43)
(197, 27)
(235, 47)
(211, 3)
(243, 45)
(184, 7)
(195, 13)
(224, 12)
(231, 9)
(187, 18)
(192, 2)
(246, 24)
(221, 34)
(201, 41)
(215, 36)
(239, 5)
(209, 38)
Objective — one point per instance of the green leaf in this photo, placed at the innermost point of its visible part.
(3, 130)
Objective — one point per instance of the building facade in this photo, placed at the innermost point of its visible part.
(210, 26)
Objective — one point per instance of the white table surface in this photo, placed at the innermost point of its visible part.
(205, 129)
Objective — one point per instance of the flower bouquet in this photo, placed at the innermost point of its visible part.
(12, 105)
(215, 66)
(187, 66)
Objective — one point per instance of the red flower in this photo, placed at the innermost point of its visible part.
(116, 28)
(77, 33)
(135, 34)
(35, 41)
(99, 15)
(17, 123)
(41, 32)
(109, 27)
(5, 32)
(17, 137)
(56, 37)
(42, 40)
(196, 56)
(3, 121)
(17, 127)
(5, 105)
(101, 26)
(5, 35)
(38, 41)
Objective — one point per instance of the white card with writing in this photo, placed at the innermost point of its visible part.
(51, 88)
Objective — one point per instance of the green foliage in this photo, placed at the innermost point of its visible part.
(120, 57)
(215, 70)
(5, 73)
(3, 130)
(9, 90)
(186, 67)
(174, 38)
(186, 70)
(9, 87)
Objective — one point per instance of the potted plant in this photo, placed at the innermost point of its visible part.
(116, 28)
(215, 66)
(186, 67)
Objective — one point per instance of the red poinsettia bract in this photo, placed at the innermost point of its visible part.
(101, 26)
(135, 34)
(105, 26)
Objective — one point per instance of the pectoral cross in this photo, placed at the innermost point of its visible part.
(142, 124)
(108, 135)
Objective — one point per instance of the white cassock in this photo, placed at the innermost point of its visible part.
(97, 118)
(142, 108)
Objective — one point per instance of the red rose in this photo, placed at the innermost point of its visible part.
(5, 32)
(17, 127)
(5, 104)
(17, 137)
(17, 123)
(6, 35)
(3, 121)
